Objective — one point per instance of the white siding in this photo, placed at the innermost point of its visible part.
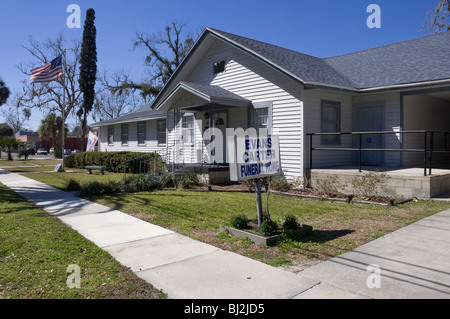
(253, 80)
(178, 151)
(151, 141)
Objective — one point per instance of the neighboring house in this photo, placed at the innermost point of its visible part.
(142, 130)
(229, 81)
(31, 139)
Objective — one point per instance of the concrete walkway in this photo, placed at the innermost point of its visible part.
(413, 262)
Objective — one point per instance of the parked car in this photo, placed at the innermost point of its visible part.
(41, 151)
(67, 151)
(76, 151)
(52, 150)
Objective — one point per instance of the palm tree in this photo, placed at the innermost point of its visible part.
(50, 128)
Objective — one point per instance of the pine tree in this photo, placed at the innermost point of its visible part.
(4, 92)
(88, 71)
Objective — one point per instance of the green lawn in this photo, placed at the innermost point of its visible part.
(338, 227)
(36, 250)
(60, 180)
(29, 162)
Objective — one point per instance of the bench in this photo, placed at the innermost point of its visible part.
(100, 168)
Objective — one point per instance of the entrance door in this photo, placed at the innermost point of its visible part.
(370, 119)
(219, 121)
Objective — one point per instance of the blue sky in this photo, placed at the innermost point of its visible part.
(321, 28)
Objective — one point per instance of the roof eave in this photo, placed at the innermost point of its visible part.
(130, 120)
(257, 55)
(405, 86)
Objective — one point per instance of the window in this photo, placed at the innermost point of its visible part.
(331, 122)
(124, 134)
(260, 117)
(161, 131)
(219, 67)
(188, 129)
(110, 135)
(141, 133)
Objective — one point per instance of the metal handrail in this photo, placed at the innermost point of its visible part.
(142, 164)
(428, 150)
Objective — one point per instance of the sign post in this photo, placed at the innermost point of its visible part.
(253, 157)
(259, 201)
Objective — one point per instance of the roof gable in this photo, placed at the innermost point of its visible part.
(207, 94)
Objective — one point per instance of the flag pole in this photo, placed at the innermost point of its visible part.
(63, 109)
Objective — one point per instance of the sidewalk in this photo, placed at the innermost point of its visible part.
(414, 261)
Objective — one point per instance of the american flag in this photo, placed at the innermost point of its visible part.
(48, 72)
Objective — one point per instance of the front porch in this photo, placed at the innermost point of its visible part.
(401, 182)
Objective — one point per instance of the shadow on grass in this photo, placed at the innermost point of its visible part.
(8, 196)
(319, 236)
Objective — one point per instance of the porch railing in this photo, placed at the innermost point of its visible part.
(429, 145)
(148, 163)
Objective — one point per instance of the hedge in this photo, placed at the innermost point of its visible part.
(113, 161)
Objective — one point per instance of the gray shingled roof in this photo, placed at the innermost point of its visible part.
(213, 92)
(418, 60)
(305, 67)
(141, 114)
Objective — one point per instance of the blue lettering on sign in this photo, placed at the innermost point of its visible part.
(259, 158)
(249, 170)
(258, 143)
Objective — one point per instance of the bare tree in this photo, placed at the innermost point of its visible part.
(49, 96)
(110, 103)
(166, 50)
(440, 20)
(16, 118)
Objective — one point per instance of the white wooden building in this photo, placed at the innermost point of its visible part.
(229, 81)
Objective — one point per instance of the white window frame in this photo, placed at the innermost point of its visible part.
(252, 115)
(336, 123)
(110, 141)
(188, 131)
(141, 134)
(122, 126)
(160, 132)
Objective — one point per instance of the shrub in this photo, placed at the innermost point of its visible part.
(141, 183)
(331, 185)
(280, 183)
(167, 181)
(92, 189)
(269, 227)
(188, 180)
(72, 185)
(69, 161)
(113, 161)
(290, 223)
(239, 222)
(367, 184)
